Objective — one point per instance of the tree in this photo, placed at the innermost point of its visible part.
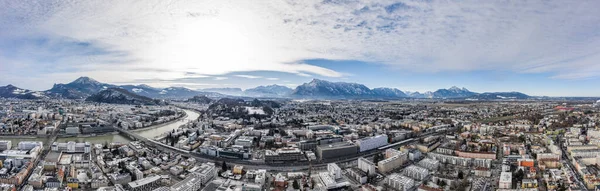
(224, 166)
(522, 138)
(296, 185)
(561, 187)
(518, 176)
(441, 183)
(377, 158)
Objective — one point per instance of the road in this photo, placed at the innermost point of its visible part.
(42, 155)
(578, 178)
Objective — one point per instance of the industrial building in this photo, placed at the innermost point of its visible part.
(284, 154)
(336, 150)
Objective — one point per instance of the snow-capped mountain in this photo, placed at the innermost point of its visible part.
(143, 90)
(11, 91)
(389, 92)
(325, 89)
(427, 94)
(268, 91)
(226, 91)
(453, 92)
(84, 87)
(121, 96)
(80, 88)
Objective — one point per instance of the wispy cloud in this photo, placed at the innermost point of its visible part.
(303, 74)
(248, 76)
(272, 79)
(221, 78)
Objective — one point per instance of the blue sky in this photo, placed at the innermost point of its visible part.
(536, 47)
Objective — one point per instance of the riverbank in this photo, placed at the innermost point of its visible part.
(88, 135)
(159, 130)
(160, 125)
(23, 136)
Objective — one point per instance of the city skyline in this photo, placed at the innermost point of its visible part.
(544, 48)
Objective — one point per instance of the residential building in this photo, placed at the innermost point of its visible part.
(400, 182)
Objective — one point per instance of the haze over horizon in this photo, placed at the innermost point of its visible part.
(549, 48)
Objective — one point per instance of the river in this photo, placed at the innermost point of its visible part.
(149, 132)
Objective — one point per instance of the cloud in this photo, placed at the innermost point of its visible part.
(221, 78)
(303, 74)
(169, 39)
(272, 79)
(248, 76)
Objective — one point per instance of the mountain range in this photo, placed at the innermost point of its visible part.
(121, 96)
(84, 87)
(321, 89)
(260, 91)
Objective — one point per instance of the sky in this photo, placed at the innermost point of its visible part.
(547, 47)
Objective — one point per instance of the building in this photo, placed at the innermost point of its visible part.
(148, 183)
(260, 177)
(334, 170)
(414, 154)
(462, 161)
(5, 145)
(358, 175)
(73, 183)
(284, 154)
(192, 182)
(525, 162)
(280, 181)
(366, 166)
(52, 182)
(244, 141)
(72, 147)
(429, 164)
(120, 178)
(206, 172)
(400, 182)
(529, 183)
(396, 159)
(176, 170)
(585, 153)
(28, 145)
(415, 172)
(306, 145)
(370, 143)
(237, 169)
(476, 155)
(484, 172)
(505, 181)
(428, 147)
(72, 130)
(336, 150)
